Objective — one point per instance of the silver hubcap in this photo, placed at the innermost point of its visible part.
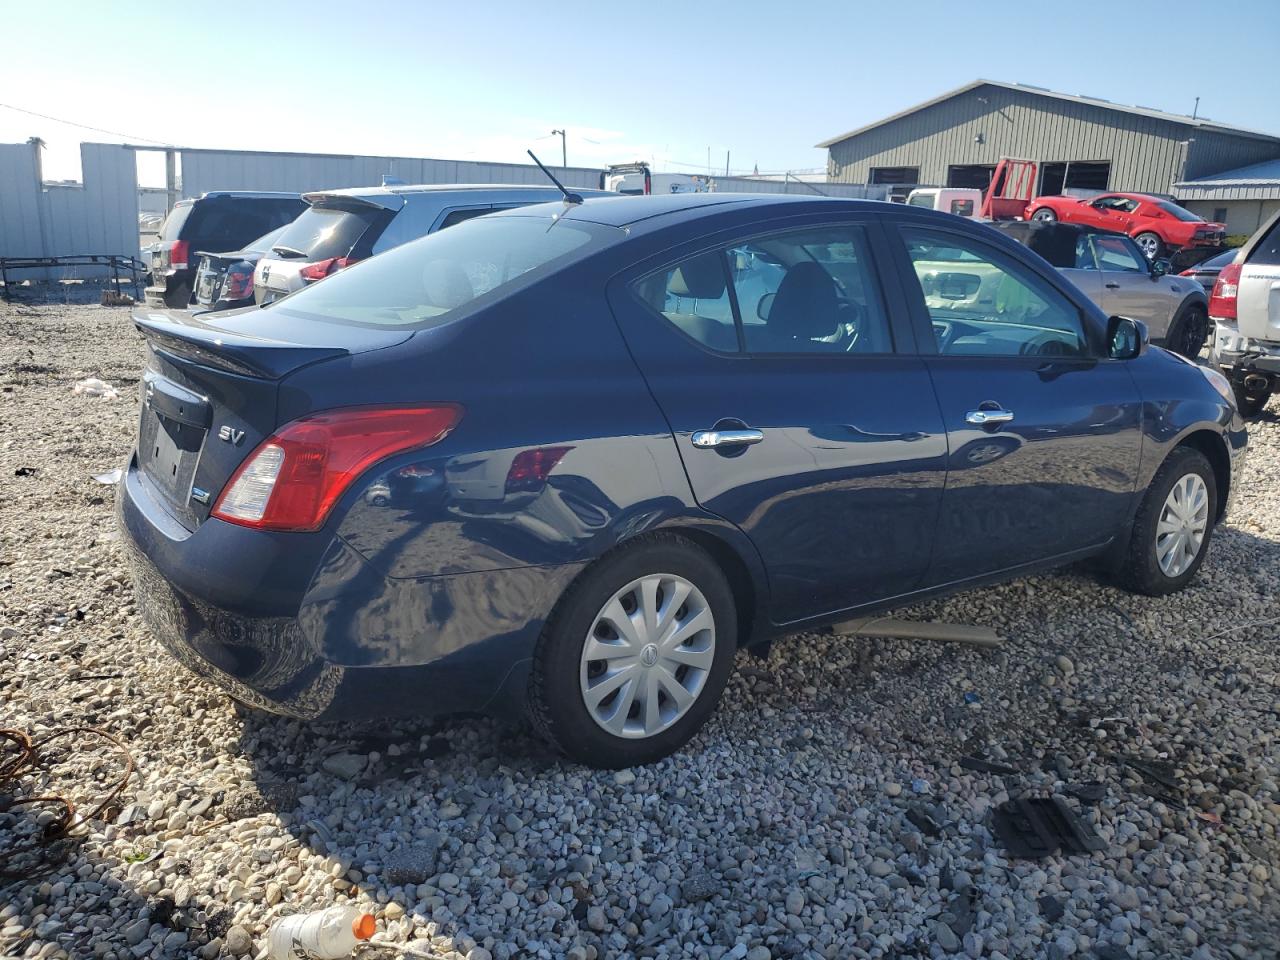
(1044, 215)
(1183, 521)
(1149, 246)
(648, 656)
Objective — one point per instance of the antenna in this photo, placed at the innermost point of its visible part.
(1196, 109)
(568, 196)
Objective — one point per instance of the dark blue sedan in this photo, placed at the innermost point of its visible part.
(564, 461)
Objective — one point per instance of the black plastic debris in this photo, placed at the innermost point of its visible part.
(923, 820)
(25, 472)
(1160, 778)
(1091, 793)
(1052, 908)
(1036, 827)
(979, 765)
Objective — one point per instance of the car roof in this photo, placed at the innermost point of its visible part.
(623, 211)
(392, 196)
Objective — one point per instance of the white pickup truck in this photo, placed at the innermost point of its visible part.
(960, 201)
(1245, 310)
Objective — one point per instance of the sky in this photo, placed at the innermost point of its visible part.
(678, 84)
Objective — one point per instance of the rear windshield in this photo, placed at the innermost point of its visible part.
(221, 224)
(426, 281)
(1182, 213)
(172, 225)
(326, 231)
(1267, 250)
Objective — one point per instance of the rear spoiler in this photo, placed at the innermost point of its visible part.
(184, 335)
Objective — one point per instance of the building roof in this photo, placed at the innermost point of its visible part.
(1260, 181)
(1185, 119)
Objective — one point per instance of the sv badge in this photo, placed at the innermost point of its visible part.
(230, 434)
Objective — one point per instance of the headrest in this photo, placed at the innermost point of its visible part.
(446, 285)
(807, 305)
(702, 278)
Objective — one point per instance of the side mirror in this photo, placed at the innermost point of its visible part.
(1159, 268)
(1126, 338)
(764, 305)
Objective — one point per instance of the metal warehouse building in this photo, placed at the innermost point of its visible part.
(1082, 143)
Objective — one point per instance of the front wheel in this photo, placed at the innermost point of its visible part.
(1189, 331)
(1173, 526)
(1044, 215)
(636, 655)
(1150, 244)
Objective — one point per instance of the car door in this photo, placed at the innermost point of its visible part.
(1129, 289)
(1044, 433)
(784, 363)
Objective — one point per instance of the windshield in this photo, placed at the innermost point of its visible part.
(1180, 212)
(424, 282)
(264, 242)
(321, 232)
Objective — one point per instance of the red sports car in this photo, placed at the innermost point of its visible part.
(1158, 226)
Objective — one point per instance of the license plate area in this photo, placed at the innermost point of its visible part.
(169, 451)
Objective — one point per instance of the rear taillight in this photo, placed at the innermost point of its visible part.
(530, 468)
(1222, 302)
(178, 254)
(238, 284)
(322, 268)
(295, 476)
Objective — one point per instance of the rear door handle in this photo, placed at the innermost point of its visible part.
(983, 418)
(709, 439)
(1112, 285)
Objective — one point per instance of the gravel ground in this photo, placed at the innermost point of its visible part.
(791, 827)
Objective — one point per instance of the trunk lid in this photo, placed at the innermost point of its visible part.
(1258, 302)
(210, 389)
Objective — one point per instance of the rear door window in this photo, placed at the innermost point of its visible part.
(323, 231)
(171, 229)
(1118, 253)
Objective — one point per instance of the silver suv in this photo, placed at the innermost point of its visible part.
(1245, 308)
(341, 227)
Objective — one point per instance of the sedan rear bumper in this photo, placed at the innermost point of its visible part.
(302, 625)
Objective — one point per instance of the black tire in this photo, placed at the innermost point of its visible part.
(1189, 331)
(1140, 571)
(1044, 215)
(1250, 402)
(1148, 237)
(556, 705)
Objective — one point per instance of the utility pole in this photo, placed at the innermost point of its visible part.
(726, 163)
(564, 148)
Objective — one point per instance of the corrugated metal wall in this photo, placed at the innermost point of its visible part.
(205, 170)
(1216, 152)
(97, 216)
(1145, 153)
(750, 185)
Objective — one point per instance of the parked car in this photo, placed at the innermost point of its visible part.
(1245, 309)
(960, 201)
(1206, 271)
(702, 503)
(224, 281)
(225, 220)
(342, 227)
(1115, 275)
(1157, 225)
(637, 180)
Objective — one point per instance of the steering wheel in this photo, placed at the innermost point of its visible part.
(850, 314)
(1045, 345)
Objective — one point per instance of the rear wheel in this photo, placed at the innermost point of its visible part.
(1174, 524)
(1189, 331)
(636, 655)
(1150, 244)
(1044, 215)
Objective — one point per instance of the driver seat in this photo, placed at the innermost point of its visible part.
(805, 309)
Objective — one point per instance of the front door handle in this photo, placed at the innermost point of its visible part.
(985, 417)
(1112, 285)
(709, 439)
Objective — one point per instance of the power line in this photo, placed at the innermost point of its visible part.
(84, 126)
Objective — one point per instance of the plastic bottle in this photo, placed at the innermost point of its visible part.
(323, 935)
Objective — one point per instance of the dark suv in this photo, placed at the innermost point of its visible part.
(226, 220)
